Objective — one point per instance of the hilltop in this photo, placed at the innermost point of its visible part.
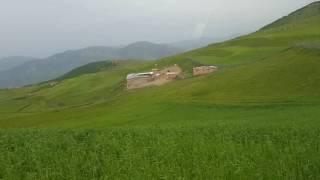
(310, 11)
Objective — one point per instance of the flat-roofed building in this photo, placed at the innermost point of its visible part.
(202, 70)
(137, 79)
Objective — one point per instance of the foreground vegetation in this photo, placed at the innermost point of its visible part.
(256, 118)
(273, 141)
(222, 152)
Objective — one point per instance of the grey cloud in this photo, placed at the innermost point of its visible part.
(43, 27)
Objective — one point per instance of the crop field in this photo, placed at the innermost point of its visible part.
(204, 142)
(220, 152)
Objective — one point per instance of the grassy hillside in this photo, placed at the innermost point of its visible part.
(312, 10)
(275, 64)
(96, 67)
(257, 117)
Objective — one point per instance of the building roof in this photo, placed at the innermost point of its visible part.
(171, 73)
(201, 67)
(139, 75)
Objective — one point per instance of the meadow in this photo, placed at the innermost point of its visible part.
(220, 152)
(273, 141)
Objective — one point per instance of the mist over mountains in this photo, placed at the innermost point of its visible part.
(7, 63)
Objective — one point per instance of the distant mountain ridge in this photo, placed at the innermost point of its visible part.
(36, 71)
(194, 43)
(147, 50)
(7, 63)
(200, 43)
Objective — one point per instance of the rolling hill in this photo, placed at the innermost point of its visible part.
(256, 118)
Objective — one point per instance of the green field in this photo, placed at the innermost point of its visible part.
(256, 118)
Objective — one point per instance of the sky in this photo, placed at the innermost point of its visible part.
(40, 28)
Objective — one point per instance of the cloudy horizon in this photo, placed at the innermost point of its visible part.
(40, 28)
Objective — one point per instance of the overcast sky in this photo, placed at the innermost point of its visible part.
(42, 27)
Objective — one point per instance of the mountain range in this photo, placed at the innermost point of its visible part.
(7, 63)
(25, 71)
(19, 71)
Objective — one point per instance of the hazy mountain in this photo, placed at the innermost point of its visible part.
(13, 61)
(199, 43)
(147, 50)
(193, 43)
(54, 66)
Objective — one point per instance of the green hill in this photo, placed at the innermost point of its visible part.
(96, 67)
(275, 64)
(312, 10)
(256, 118)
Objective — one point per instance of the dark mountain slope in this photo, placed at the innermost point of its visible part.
(96, 67)
(147, 51)
(52, 67)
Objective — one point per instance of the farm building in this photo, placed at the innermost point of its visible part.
(202, 70)
(134, 80)
(154, 78)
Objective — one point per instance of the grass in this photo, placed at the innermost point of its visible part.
(256, 118)
(231, 152)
